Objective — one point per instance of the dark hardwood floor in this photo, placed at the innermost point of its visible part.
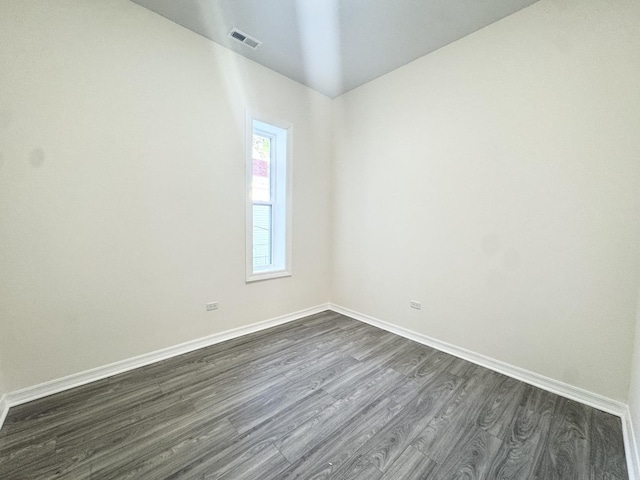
(325, 397)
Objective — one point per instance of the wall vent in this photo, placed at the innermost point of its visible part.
(244, 38)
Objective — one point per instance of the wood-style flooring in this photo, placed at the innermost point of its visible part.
(325, 397)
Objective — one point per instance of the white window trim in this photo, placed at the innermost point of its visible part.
(286, 270)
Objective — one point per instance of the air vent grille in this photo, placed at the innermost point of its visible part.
(242, 37)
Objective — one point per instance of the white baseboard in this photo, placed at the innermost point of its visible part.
(555, 386)
(82, 378)
(631, 446)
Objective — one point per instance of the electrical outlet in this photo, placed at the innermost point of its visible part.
(415, 304)
(211, 306)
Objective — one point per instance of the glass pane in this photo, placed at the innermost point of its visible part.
(261, 236)
(261, 182)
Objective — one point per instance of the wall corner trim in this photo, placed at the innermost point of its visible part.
(45, 389)
(630, 446)
(4, 408)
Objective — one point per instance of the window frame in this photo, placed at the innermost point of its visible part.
(281, 193)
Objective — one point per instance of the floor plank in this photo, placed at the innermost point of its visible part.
(326, 423)
(607, 448)
(389, 444)
(412, 465)
(326, 458)
(566, 449)
(456, 416)
(470, 457)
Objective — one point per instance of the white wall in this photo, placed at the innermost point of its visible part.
(3, 389)
(497, 180)
(122, 206)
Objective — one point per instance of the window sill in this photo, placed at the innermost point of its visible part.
(267, 275)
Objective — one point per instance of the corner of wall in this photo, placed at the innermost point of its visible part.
(332, 196)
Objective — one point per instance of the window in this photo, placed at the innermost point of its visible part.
(268, 152)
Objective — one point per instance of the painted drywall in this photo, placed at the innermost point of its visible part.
(497, 181)
(3, 389)
(634, 388)
(122, 180)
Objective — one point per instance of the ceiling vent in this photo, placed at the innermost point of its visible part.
(244, 38)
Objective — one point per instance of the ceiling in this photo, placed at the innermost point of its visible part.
(334, 46)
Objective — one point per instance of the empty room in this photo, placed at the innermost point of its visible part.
(320, 239)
